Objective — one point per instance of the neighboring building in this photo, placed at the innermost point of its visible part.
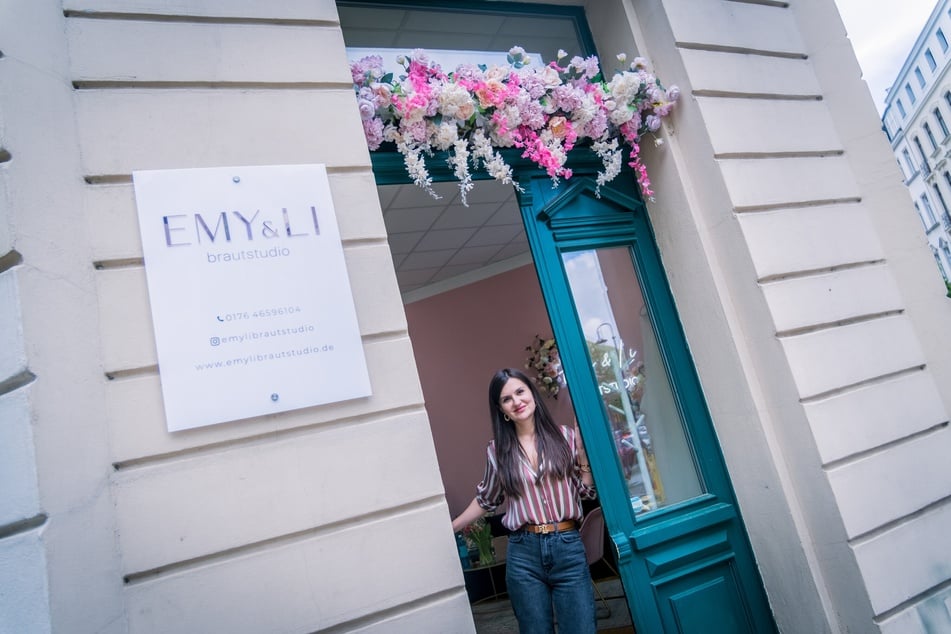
(793, 328)
(917, 121)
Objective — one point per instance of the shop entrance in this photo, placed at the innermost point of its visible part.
(674, 532)
(674, 527)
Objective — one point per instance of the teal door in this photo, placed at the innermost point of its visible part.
(682, 550)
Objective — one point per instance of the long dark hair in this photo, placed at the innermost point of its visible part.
(554, 454)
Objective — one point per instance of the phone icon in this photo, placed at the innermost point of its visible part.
(218, 317)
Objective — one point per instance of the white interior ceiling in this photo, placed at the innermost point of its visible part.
(440, 244)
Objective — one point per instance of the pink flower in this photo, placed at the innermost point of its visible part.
(491, 93)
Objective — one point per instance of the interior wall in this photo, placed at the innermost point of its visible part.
(461, 338)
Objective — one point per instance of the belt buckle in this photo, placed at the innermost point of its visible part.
(544, 529)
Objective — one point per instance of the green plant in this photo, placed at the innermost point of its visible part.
(479, 535)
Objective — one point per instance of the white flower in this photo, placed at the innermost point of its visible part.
(455, 101)
(445, 135)
(416, 168)
(459, 161)
(611, 159)
(620, 116)
(549, 77)
(496, 73)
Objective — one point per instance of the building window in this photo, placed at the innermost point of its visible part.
(901, 106)
(930, 58)
(911, 94)
(947, 179)
(947, 256)
(921, 152)
(921, 217)
(942, 40)
(941, 123)
(892, 125)
(944, 207)
(937, 259)
(920, 77)
(930, 220)
(931, 139)
(909, 162)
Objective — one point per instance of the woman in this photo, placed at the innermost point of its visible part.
(543, 470)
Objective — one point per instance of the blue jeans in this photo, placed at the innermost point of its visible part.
(545, 571)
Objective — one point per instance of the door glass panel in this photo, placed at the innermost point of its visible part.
(646, 423)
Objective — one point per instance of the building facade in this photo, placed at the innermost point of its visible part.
(810, 313)
(915, 119)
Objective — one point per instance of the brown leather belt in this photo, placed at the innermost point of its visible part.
(544, 529)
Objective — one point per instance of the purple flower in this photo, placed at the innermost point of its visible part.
(598, 126)
(373, 130)
(367, 109)
(371, 64)
(415, 131)
(532, 85)
(567, 98)
(591, 67)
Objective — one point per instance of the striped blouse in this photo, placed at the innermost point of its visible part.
(549, 501)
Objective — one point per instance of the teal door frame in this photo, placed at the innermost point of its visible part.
(687, 567)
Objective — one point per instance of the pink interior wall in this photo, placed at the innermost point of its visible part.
(460, 339)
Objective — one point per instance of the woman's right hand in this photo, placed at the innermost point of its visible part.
(471, 514)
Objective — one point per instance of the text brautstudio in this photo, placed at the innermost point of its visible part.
(229, 229)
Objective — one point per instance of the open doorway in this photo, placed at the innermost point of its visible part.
(473, 305)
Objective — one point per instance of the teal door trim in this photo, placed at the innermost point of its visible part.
(389, 168)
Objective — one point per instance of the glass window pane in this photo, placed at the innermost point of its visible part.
(453, 35)
(639, 403)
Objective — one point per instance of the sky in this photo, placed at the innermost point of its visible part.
(882, 35)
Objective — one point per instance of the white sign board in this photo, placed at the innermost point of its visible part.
(250, 298)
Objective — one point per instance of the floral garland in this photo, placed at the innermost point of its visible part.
(543, 111)
(546, 362)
